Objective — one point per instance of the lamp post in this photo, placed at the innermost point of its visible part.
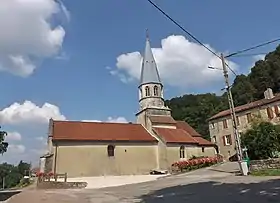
(243, 165)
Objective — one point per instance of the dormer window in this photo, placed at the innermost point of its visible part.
(156, 90)
(147, 91)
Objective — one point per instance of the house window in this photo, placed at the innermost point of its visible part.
(214, 139)
(111, 150)
(182, 152)
(212, 125)
(225, 123)
(202, 149)
(147, 91)
(156, 91)
(276, 110)
(269, 113)
(237, 121)
(227, 140)
(249, 117)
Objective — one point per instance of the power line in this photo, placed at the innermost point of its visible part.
(251, 48)
(187, 32)
(246, 55)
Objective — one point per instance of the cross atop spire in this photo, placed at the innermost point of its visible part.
(147, 34)
(149, 71)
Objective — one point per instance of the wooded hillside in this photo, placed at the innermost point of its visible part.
(196, 109)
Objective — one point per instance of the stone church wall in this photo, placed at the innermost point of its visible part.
(91, 159)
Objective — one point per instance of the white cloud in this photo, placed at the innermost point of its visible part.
(16, 149)
(39, 152)
(13, 136)
(28, 112)
(180, 62)
(41, 138)
(110, 120)
(259, 57)
(117, 120)
(27, 35)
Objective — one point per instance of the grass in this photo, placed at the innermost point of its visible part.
(266, 172)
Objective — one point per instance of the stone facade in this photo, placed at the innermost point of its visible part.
(257, 165)
(221, 130)
(91, 159)
(61, 185)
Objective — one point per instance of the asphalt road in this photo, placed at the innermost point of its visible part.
(218, 185)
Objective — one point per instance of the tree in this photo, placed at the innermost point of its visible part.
(23, 168)
(13, 174)
(242, 91)
(197, 109)
(262, 140)
(3, 144)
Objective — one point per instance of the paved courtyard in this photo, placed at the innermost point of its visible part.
(218, 184)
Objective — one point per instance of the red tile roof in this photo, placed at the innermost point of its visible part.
(175, 135)
(185, 126)
(162, 120)
(99, 131)
(203, 142)
(248, 106)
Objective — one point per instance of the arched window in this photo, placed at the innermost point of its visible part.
(147, 91)
(156, 90)
(111, 150)
(182, 152)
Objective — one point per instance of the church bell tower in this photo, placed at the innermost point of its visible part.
(150, 88)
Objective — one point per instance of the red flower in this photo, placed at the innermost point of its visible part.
(50, 174)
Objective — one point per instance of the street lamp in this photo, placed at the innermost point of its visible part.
(242, 164)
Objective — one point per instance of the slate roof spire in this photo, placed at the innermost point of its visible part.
(149, 71)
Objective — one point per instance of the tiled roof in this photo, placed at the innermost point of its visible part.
(162, 120)
(185, 126)
(98, 131)
(248, 106)
(175, 135)
(203, 142)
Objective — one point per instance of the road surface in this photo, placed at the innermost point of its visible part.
(217, 185)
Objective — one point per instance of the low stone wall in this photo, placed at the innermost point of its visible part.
(61, 185)
(256, 165)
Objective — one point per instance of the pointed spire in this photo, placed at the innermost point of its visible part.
(149, 71)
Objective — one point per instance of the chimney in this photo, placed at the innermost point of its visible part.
(268, 93)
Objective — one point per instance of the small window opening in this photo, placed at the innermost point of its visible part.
(111, 150)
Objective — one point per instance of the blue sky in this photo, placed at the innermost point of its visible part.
(75, 68)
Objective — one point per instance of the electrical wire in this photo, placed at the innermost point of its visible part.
(245, 55)
(253, 47)
(188, 33)
(199, 42)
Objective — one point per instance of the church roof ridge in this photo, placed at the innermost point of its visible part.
(97, 131)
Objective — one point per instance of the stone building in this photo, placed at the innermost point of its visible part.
(220, 125)
(154, 142)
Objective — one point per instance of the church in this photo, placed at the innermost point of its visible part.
(154, 142)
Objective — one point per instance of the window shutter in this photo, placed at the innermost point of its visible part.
(230, 140)
(237, 120)
(224, 140)
(276, 110)
(269, 113)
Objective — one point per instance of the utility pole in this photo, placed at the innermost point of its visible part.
(244, 171)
